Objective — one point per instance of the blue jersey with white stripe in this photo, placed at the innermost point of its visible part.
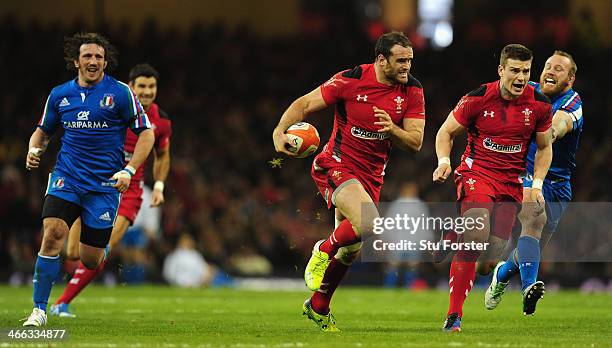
(564, 149)
(95, 120)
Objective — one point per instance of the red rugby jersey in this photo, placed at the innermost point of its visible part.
(162, 127)
(355, 140)
(500, 130)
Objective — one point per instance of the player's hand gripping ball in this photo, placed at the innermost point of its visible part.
(304, 139)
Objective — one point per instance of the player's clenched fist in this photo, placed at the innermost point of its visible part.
(537, 197)
(33, 158)
(123, 177)
(442, 172)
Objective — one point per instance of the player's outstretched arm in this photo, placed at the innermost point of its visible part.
(543, 158)
(296, 112)
(161, 168)
(562, 124)
(36, 147)
(444, 144)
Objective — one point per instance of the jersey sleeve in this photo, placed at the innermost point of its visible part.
(464, 112)
(545, 118)
(163, 132)
(574, 108)
(50, 118)
(132, 111)
(416, 104)
(333, 90)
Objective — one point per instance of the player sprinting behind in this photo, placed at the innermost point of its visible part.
(500, 118)
(143, 80)
(95, 110)
(376, 105)
(556, 82)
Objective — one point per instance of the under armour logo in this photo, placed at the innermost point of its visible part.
(364, 98)
(489, 113)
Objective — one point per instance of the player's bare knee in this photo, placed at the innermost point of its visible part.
(478, 231)
(53, 239)
(368, 221)
(532, 223)
(91, 262)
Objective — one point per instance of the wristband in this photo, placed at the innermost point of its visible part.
(159, 186)
(444, 160)
(36, 151)
(130, 170)
(537, 184)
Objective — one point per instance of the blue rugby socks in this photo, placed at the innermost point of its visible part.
(528, 255)
(529, 259)
(508, 269)
(45, 273)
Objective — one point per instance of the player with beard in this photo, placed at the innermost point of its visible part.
(90, 173)
(143, 80)
(377, 105)
(500, 118)
(556, 82)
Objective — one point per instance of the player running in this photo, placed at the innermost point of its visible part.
(500, 118)
(556, 82)
(143, 82)
(90, 173)
(376, 105)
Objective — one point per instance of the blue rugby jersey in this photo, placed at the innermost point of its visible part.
(564, 149)
(95, 120)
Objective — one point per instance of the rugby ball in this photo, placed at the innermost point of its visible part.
(304, 139)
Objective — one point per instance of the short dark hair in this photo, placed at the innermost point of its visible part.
(573, 67)
(72, 49)
(386, 41)
(515, 51)
(143, 69)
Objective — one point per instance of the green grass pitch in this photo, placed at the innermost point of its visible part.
(154, 316)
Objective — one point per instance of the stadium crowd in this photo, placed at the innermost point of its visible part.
(225, 88)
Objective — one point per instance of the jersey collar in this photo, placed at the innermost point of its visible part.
(75, 84)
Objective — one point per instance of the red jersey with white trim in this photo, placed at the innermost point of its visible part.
(499, 130)
(355, 140)
(162, 127)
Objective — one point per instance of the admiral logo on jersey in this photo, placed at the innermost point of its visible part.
(368, 135)
(493, 146)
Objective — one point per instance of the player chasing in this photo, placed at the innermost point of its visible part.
(90, 173)
(376, 105)
(500, 118)
(556, 82)
(143, 80)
